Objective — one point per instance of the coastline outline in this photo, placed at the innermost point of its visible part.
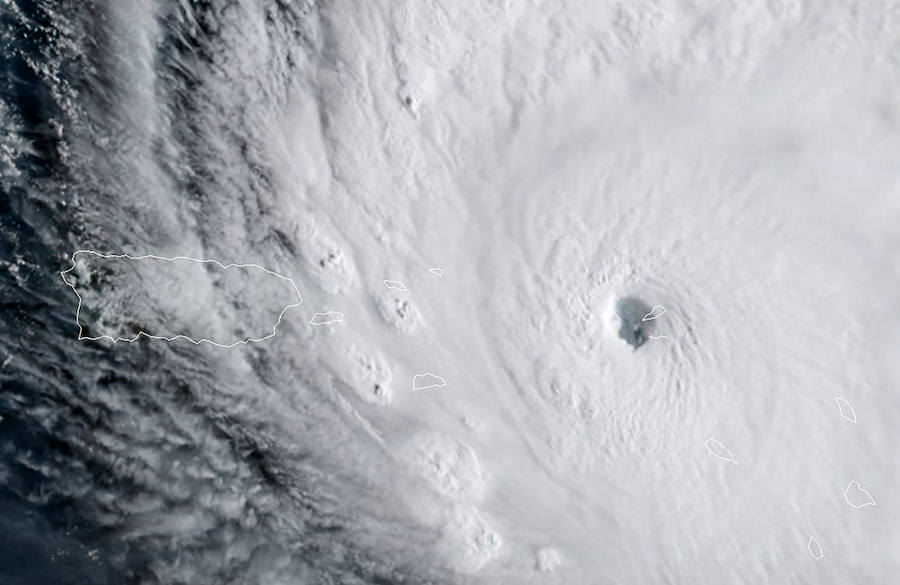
(82, 337)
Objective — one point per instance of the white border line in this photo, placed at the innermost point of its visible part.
(653, 314)
(862, 490)
(395, 285)
(713, 445)
(847, 413)
(438, 383)
(337, 319)
(82, 337)
(814, 548)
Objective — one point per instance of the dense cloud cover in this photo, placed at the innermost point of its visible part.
(647, 248)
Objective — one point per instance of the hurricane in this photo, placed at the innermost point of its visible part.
(445, 292)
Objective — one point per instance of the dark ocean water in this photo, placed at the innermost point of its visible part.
(43, 531)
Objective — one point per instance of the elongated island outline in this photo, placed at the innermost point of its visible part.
(82, 337)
